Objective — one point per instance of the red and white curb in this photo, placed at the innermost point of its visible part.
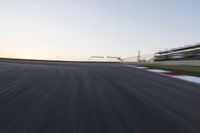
(171, 74)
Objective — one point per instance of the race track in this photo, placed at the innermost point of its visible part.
(94, 98)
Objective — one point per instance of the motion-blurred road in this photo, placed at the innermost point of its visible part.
(94, 98)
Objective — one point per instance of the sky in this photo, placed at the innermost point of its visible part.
(52, 29)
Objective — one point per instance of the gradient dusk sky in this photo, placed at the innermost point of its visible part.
(78, 28)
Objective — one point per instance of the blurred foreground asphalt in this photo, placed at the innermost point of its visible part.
(94, 98)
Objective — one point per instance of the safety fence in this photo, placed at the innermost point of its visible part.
(140, 58)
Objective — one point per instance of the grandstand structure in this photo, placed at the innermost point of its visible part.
(191, 52)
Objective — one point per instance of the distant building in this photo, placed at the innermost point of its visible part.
(105, 59)
(191, 52)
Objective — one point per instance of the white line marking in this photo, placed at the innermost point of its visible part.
(183, 77)
(189, 78)
(142, 67)
(157, 70)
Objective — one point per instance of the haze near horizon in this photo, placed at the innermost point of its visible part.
(48, 29)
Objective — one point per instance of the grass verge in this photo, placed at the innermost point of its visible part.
(188, 70)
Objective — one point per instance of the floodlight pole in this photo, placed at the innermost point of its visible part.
(138, 56)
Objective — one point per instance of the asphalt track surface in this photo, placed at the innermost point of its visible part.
(94, 98)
